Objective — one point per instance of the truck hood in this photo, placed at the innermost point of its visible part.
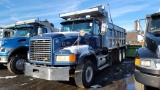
(64, 39)
(59, 34)
(13, 40)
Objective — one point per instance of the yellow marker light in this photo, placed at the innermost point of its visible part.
(72, 58)
(137, 62)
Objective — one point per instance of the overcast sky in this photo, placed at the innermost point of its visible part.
(124, 12)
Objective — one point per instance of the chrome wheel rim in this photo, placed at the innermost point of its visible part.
(20, 64)
(89, 74)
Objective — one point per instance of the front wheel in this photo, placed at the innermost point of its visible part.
(16, 63)
(84, 74)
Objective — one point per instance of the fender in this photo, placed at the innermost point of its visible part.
(87, 54)
(21, 48)
(84, 51)
(144, 52)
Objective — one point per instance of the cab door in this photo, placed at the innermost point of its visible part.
(96, 37)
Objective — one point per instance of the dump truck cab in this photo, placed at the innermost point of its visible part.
(148, 57)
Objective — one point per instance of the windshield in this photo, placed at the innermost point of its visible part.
(23, 32)
(1, 34)
(155, 25)
(77, 26)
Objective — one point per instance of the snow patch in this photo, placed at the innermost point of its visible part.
(96, 86)
(7, 77)
(23, 84)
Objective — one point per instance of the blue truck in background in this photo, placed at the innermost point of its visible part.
(86, 44)
(13, 50)
(147, 59)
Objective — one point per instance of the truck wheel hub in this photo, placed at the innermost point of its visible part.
(89, 74)
(20, 64)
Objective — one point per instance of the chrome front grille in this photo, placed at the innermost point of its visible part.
(40, 50)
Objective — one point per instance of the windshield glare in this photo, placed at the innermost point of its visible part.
(22, 32)
(155, 24)
(77, 26)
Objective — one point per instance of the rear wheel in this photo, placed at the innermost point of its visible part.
(110, 58)
(123, 54)
(119, 56)
(16, 63)
(84, 74)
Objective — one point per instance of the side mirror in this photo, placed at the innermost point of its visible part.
(103, 28)
(140, 25)
(40, 31)
(137, 28)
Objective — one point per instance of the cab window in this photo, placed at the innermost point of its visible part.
(96, 28)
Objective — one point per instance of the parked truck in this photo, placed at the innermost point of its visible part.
(13, 50)
(5, 33)
(86, 44)
(147, 60)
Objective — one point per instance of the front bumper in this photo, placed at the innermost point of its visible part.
(147, 79)
(47, 73)
(3, 59)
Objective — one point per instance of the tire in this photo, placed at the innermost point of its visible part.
(119, 56)
(116, 57)
(110, 58)
(16, 63)
(139, 86)
(123, 54)
(84, 74)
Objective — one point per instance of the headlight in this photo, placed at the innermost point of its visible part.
(6, 49)
(146, 63)
(66, 58)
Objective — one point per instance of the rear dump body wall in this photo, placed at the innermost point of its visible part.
(47, 73)
(114, 37)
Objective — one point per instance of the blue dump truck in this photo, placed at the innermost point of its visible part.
(13, 50)
(147, 59)
(86, 44)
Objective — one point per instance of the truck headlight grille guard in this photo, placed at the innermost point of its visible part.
(40, 50)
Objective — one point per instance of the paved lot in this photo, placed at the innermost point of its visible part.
(118, 77)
